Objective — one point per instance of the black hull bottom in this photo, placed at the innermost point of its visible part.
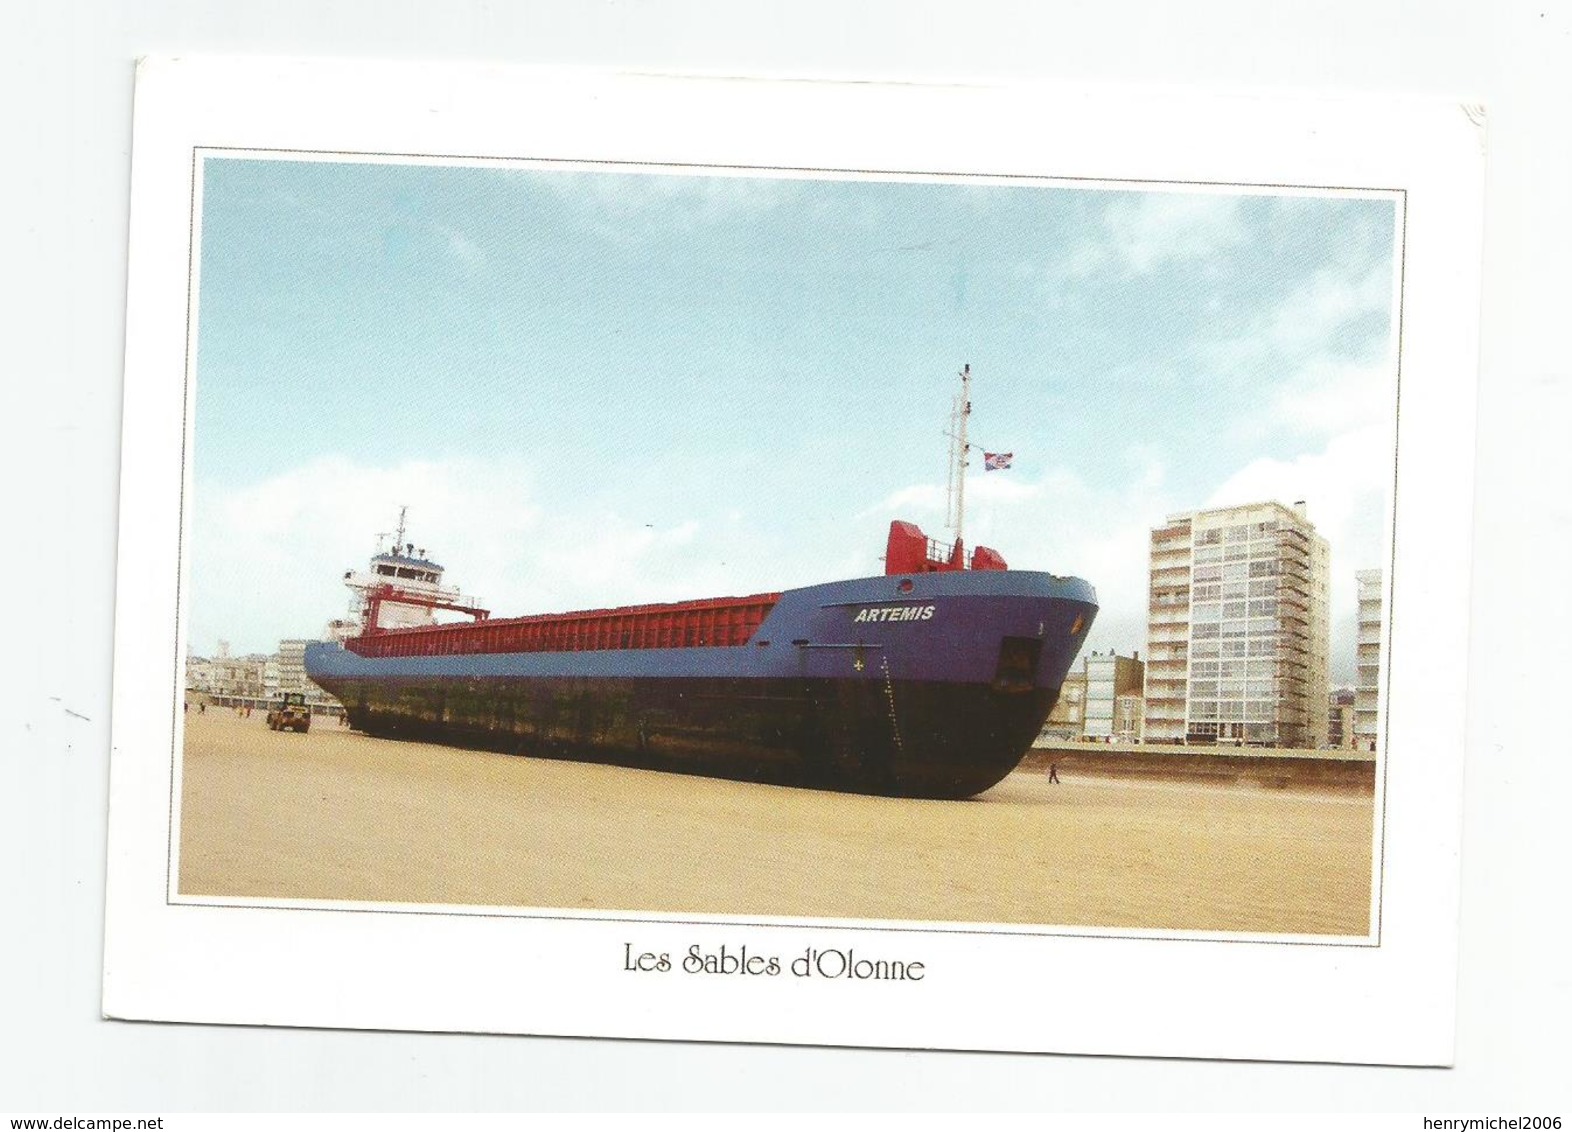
(865, 736)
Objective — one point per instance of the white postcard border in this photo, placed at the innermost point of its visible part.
(1097, 994)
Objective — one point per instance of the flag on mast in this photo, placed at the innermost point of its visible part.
(997, 461)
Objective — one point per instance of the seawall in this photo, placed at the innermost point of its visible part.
(1269, 768)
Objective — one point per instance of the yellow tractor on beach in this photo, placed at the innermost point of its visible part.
(290, 714)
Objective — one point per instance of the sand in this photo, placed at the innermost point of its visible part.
(335, 815)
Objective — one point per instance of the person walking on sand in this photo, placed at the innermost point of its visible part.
(1053, 773)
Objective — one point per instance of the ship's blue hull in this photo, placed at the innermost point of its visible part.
(936, 690)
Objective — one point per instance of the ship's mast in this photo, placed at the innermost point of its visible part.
(960, 410)
(398, 540)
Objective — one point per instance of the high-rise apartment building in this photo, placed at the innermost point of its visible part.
(1238, 638)
(1367, 683)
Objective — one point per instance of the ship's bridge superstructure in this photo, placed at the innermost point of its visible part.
(400, 589)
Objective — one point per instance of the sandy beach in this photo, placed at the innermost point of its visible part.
(335, 815)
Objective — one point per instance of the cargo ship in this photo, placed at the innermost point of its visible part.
(931, 680)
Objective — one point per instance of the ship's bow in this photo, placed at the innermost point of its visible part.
(934, 685)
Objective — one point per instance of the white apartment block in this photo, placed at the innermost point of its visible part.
(291, 658)
(1109, 678)
(1367, 686)
(1238, 639)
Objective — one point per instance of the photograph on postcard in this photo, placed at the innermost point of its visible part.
(786, 544)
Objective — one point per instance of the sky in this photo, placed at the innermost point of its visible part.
(600, 386)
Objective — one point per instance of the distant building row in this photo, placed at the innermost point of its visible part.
(256, 679)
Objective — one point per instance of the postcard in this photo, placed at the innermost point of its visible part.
(963, 567)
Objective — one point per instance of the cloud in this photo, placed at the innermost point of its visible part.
(268, 559)
(1316, 312)
(1324, 350)
(921, 498)
(1323, 313)
(1325, 397)
(1139, 234)
(458, 245)
(1345, 487)
(607, 202)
